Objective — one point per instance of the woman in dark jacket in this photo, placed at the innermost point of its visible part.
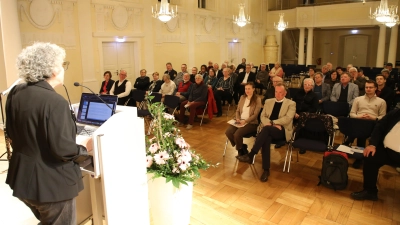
(143, 82)
(156, 83)
(106, 84)
(211, 80)
(306, 100)
(197, 98)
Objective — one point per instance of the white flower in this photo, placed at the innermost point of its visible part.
(168, 116)
(168, 134)
(186, 155)
(183, 164)
(181, 142)
(149, 161)
(161, 157)
(153, 148)
(175, 170)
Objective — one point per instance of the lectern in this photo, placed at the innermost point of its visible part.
(118, 184)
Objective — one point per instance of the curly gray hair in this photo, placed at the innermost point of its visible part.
(39, 61)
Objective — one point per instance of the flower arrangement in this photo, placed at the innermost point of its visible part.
(168, 154)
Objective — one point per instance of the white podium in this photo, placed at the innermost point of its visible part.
(118, 187)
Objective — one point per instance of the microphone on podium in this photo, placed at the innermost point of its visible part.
(77, 84)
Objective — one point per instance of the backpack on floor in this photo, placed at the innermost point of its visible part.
(334, 170)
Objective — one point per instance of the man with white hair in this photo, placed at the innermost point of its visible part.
(344, 91)
(44, 172)
(122, 88)
(359, 80)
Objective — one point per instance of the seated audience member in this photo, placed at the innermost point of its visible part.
(217, 71)
(311, 73)
(155, 84)
(203, 71)
(262, 77)
(183, 88)
(246, 114)
(334, 80)
(339, 71)
(270, 93)
(384, 92)
(322, 90)
(143, 82)
(243, 78)
(348, 67)
(361, 74)
(193, 75)
(211, 79)
(330, 67)
(122, 88)
(344, 91)
(277, 124)
(107, 84)
(306, 100)
(168, 87)
(358, 80)
(179, 76)
(383, 149)
(233, 74)
(223, 90)
(367, 107)
(170, 71)
(325, 73)
(389, 82)
(241, 67)
(276, 71)
(210, 65)
(197, 97)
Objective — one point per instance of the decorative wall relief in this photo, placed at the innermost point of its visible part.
(120, 17)
(177, 30)
(256, 28)
(40, 13)
(206, 29)
(43, 14)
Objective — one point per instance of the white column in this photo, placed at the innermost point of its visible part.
(380, 55)
(393, 44)
(310, 45)
(301, 47)
(86, 44)
(10, 43)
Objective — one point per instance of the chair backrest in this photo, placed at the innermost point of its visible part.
(337, 109)
(157, 97)
(315, 127)
(138, 95)
(171, 101)
(357, 128)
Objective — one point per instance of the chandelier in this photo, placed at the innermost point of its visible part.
(165, 14)
(241, 20)
(394, 18)
(385, 14)
(281, 24)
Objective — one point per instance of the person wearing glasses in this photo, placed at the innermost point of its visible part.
(270, 93)
(122, 88)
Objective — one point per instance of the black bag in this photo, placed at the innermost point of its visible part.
(334, 170)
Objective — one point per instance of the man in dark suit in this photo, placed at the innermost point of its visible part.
(170, 71)
(384, 92)
(244, 78)
(383, 149)
(107, 84)
(42, 172)
(218, 72)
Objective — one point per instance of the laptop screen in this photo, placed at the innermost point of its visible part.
(93, 111)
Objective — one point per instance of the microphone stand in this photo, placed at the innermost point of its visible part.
(78, 84)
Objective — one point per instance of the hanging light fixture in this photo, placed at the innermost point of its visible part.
(394, 18)
(382, 13)
(165, 14)
(241, 20)
(281, 26)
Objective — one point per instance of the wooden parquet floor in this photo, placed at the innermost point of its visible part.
(233, 194)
